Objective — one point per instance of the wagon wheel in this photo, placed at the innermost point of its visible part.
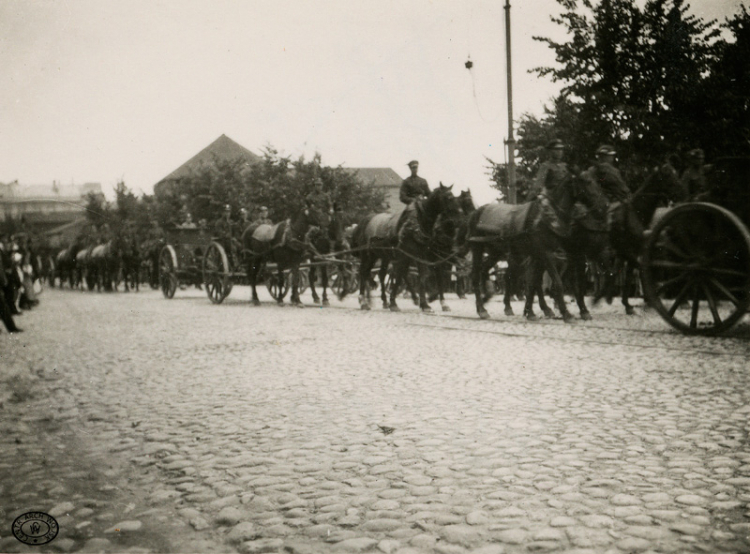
(168, 271)
(696, 269)
(216, 276)
(276, 287)
(343, 280)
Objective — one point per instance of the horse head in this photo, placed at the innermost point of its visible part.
(466, 202)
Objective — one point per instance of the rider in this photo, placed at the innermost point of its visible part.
(608, 176)
(694, 178)
(552, 174)
(318, 200)
(261, 218)
(224, 229)
(413, 187)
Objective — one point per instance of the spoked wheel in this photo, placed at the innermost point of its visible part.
(696, 269)
(168, 271)
(216, 276)
(277, 288)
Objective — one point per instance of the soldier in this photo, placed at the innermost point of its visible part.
(694, 178)
(319, 200)
(553, 172)
(608, 176)
(413, 186)
(224, 230)
(262, 218)
(6, 293)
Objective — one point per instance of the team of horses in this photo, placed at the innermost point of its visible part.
(431, 234)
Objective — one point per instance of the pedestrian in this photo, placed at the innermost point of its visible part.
(413, 187)
(6, 314)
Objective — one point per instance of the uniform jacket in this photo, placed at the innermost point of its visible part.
(550, 176)
(611, 181)
(413, 187)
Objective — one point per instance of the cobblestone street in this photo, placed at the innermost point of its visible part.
(151, 425)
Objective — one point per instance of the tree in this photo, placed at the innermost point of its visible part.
(630, 77)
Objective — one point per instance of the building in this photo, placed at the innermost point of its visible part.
(39, 208)
(222, 149)
(383, 178)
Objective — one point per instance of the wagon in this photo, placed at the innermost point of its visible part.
(191, 257)
(696, 262)
(181, 258)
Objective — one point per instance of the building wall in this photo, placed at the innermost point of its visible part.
(44, 206)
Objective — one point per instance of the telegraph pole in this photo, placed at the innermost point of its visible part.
(511, 141)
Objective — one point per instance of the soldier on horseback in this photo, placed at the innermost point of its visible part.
(319, 200)
(608, 176)
(262, 218)
(552, 174)
(414, 186)
(224, 230)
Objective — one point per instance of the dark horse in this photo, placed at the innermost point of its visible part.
(631, 219)
(524, 231)
(324, 240)
(106, 262)
(130, 260)
(285, 244)
(65, 264)
(404, 238)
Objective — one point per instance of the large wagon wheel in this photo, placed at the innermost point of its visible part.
(304, 280)
(343, 279)
(168, 271)
(696, 269)
(216, 277)
(276, 287)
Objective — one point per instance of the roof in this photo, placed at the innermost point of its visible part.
(22, 193)
(223, 148)
(379, 176)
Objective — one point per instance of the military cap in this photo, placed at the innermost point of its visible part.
(412, 163)
(263, 209)
(555, 144)
(605, 150)
(227, 208)
(696, 153)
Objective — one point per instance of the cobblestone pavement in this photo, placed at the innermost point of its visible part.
(151, 425)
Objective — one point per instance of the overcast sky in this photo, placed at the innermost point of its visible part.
(101, 90)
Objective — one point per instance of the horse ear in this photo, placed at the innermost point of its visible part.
(450, 187)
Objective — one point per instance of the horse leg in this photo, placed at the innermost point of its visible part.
(282, 288)
(443, 280)
(478, 278)
(295, 287)
(313, 278)
(324, 277)
(534, 274)
(422, 272)
(382, 275)
(400, 271)
(578, 263)
(557, 286)
(546, 310)
(253, 270)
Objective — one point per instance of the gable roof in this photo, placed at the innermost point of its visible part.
(379, 176)
(223, 148)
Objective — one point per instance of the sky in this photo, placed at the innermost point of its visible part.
(130, 89)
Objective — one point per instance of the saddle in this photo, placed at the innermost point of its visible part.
(504, 220)
(383, 227)
(265, 233)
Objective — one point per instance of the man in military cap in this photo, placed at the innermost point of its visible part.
(414, 186)
(608, 176)
(694, 178)
(224, 230)
(319, 200)
(262, 217)
(552, 172)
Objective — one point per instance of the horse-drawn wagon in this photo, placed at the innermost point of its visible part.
(696, 263)
(192, 257)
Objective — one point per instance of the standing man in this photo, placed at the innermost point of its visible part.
(413, 186)
(608, 176)
(694, 178)
(224, 230)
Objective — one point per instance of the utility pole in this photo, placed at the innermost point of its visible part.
(511, 141)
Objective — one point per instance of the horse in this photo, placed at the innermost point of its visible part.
(324, 240)
(285, 244)
(533, 230)
(626, 235)
(106, 260)
(65, 264)
(130, 259)
(85, 271)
